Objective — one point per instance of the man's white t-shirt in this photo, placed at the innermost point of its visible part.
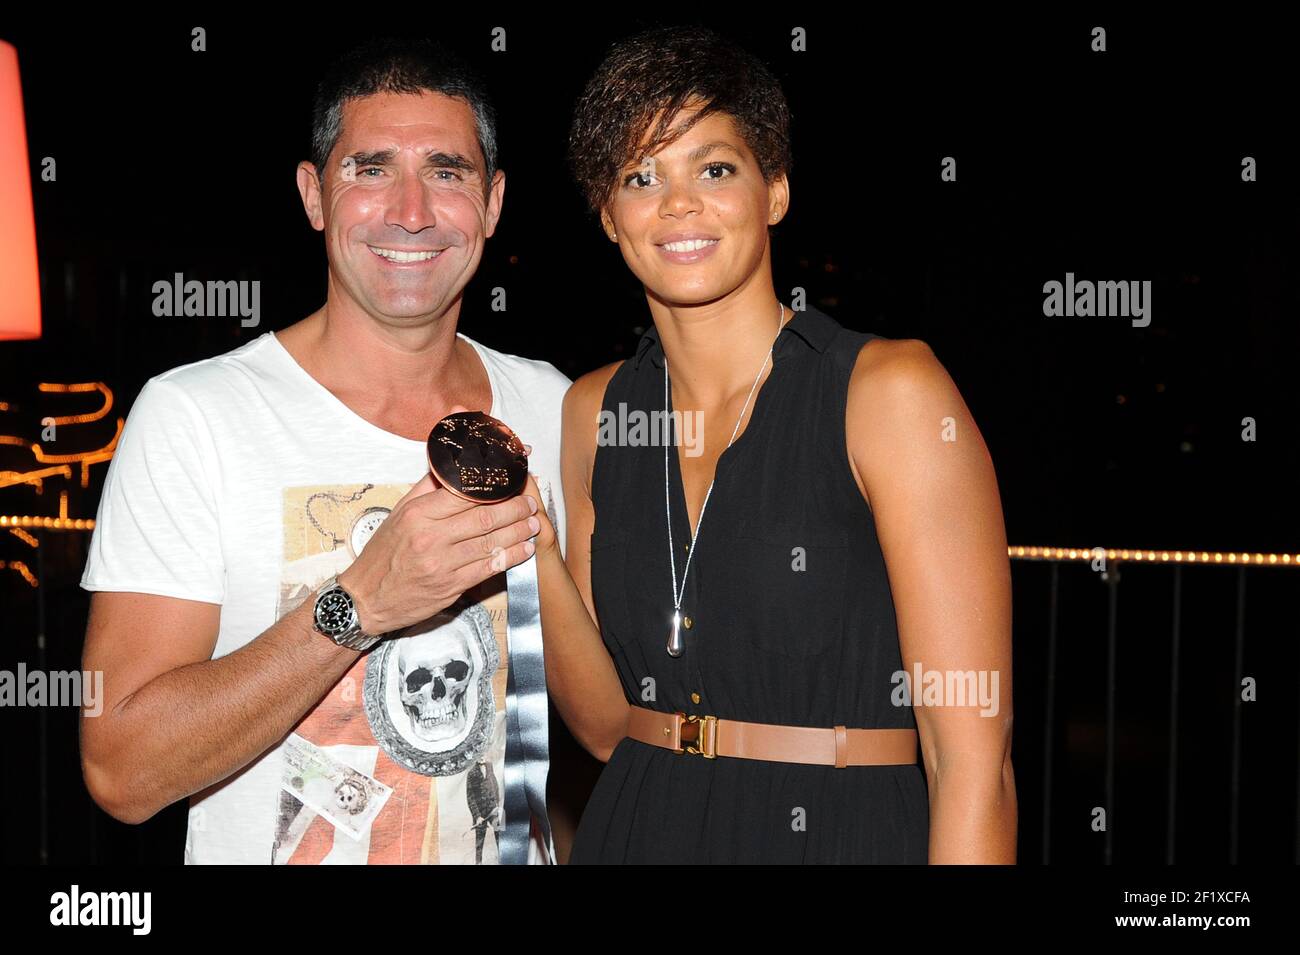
(240, 480)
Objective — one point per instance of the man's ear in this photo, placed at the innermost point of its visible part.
(496, 197)
(778, 199)
(309, 187)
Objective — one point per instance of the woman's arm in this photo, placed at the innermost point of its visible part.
(926, 473)
(580, 673)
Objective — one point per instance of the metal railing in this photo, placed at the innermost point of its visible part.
(1111, 560)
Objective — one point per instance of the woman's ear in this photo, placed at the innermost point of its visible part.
(778, 199)
(607, 224)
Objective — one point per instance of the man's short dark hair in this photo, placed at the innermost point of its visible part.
(664, 69)
(399, 65)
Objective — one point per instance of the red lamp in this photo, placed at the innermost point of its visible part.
(20, 294)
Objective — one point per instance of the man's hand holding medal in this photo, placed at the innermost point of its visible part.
(472, 517)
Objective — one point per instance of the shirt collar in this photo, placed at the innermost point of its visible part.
(812, 327)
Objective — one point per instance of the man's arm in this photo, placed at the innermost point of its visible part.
(175, 721)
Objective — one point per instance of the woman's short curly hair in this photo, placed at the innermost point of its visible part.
(664, 69)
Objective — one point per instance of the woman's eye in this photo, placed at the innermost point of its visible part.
(638, 180)
(721, 169)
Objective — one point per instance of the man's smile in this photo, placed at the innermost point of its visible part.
(405, 256)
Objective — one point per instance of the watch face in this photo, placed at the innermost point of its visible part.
(334, 612)
(477, 457)
(365, 526)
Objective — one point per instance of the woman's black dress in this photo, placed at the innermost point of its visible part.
(793, 623)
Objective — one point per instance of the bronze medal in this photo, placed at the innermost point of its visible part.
(477, 457)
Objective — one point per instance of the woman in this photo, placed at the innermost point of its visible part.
(832, 522)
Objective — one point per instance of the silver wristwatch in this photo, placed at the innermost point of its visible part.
(336, 617)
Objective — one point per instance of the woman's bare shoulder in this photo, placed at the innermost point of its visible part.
(891, 364)
(581, 419)
(900, 380)
(902, 401)
(587, 391)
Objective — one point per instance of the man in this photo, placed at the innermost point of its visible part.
(246, 482)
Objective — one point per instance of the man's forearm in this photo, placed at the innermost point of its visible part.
(198, 724)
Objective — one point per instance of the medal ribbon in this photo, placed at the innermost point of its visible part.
(527, 731)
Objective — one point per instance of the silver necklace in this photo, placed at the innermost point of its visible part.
(675, 642)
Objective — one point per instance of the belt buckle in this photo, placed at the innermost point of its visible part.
(704, 740)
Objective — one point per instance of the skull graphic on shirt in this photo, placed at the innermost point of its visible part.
(436, 670)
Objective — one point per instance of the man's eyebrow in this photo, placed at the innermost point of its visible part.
(378, 158)
(382, 157)
(451, 161)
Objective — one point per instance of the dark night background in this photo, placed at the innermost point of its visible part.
(1116, 166)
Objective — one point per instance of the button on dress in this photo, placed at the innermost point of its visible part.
(792, 622)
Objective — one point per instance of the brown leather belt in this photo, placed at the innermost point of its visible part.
(709, 736)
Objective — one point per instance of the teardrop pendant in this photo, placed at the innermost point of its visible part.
(675, 645)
